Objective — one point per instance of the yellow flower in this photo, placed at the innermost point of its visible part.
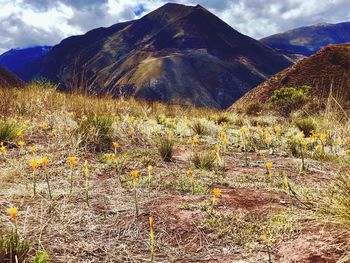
(225, 141)
(217, 192)
(13, 213)
(244, 131)
(150, 168)
(32, 149)
(222, 136)
(34, 164)
(3, 149)
(21, 144)
(278, 130)
(132, 132)
(115, 145)
(19, 134)
(72, 160)
(108, 156)
(44, 162)
(189, 173)
(269, 166)
(134, 174)
(117, 119)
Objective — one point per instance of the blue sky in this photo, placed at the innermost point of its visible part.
(46, 22)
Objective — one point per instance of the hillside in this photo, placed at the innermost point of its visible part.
(15, 59)
(306, 41)
(175, 53)
(8, 79)
(328, 68)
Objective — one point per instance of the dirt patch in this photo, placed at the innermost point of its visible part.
(322, 243)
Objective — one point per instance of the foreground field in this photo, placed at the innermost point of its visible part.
(219, 187)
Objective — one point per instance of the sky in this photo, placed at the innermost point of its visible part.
(25, 23)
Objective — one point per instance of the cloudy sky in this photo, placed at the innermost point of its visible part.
(38, 22)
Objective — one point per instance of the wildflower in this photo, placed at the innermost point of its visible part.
(216, 194)
(268, 167)
(117, 119)
(32, 150)
(13, 213)
(3, 149)
(278, 130)
(72, 160)
(134, 175)
(19, 134)
(44, 162)
(149, 169)
(115, 146)
(34, 164)
(21, 144)
(190, 175)
(132, 132)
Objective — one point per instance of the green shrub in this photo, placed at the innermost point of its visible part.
(12, 249)
(199, 128)
(8, 131)
(286, 100)
(306, 125)
(41, 257)
(166, 149)
(96, 133)
(336, 201)
(203, 161)
(253, 109)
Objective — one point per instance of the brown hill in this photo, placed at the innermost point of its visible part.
(330, 67)
(8, 79)
(175, 53)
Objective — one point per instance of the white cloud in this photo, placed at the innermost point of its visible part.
(37, 22)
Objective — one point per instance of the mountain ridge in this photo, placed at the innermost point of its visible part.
(309, 39)
(174, 53)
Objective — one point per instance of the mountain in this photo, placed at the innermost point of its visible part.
(8, 79)
(306, 41)
(15, 59)
(327, 69)
(175, 53)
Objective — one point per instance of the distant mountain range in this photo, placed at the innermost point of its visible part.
(327, 71)
(175, 53)
(306, 41)
(8, 79)
(15, 59)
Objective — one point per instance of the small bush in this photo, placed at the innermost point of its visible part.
(253, 109)
(8, 131)
(223, 119)
(199, 128)
(12, 249)
(336, 201)
(41, 257)
(96, 133)
(166, 149)
(203, 161)
(307, 126)
(285, 100)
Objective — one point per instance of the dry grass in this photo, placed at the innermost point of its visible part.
(107, 230)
